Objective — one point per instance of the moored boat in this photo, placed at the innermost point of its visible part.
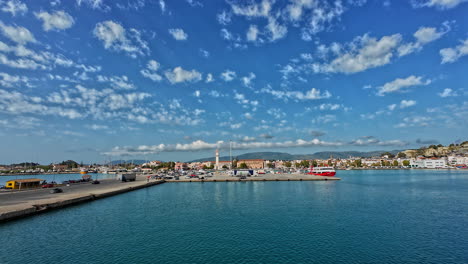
(323, 171)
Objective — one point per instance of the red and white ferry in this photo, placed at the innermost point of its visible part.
(322, 171)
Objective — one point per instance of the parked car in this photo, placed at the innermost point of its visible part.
(56, 190)
(48, 185)
(95, 182)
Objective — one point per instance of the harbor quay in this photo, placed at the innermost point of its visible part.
(15, 204)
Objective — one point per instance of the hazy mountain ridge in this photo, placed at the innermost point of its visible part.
(287, 156)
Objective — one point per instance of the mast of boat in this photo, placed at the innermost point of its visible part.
(230, 152)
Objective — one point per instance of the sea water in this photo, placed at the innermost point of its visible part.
(391, 216)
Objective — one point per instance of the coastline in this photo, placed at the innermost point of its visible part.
(52, 173)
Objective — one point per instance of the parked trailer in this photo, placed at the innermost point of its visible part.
(125, 177)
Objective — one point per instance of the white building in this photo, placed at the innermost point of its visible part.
(428, 163)
(457, 160)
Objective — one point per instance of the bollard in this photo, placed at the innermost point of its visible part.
(300, 179)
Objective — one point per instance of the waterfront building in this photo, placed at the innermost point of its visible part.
(181, 166)
(431, 163)
(58, 167)
(252, 163)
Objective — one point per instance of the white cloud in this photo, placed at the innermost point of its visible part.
(253, 10)
(228, 75)
(407, 103)
(98, 127)
(450, 55)
(247, 80)
(8, 80)
(58, 20)
(252, 33)
(423, 36)
(94, 4)
(151, 71)
(312, 94)
(364, 52)
(399, 83)
(441, 4)
(448, 93)
(276, 31)
(209, 78)
(117, 82)
(178, 34)
(392, 107)
(13, 7)
(115, 37)
(204, 53)
(21, 63)
(162, 5)
(224, 18)
(276, 113)
(178, 75)
(17, 34)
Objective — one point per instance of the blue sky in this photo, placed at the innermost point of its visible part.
(94, 80)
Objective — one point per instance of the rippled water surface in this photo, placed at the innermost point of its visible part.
(367, 217)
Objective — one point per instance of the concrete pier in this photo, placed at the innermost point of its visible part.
(20, 204)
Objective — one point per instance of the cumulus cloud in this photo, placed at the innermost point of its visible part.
(115, 37)
(363, 53)
(407, 103)
(209, 78)
(151, 71)
(20, 35)
(58, 20)
(224, 18)
(117, 82)
(228, 75)
(178, 34)
(8, 80)
(13, 7)
(178, 75)
(398, 84)
(312, 94)
(447, 93)
(94, 4)
(450, 55)
(423, 36)
(247, 80)
(366, 52)
(200, 145)
(252, 33)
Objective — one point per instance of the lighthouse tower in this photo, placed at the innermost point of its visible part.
(217, 159)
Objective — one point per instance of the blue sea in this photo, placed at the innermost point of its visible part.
(393, 216)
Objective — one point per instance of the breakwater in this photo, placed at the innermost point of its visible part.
(23, 204)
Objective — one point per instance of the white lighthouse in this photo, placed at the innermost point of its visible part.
(217, 159)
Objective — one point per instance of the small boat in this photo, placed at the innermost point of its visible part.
(83, 171)
(322, 171)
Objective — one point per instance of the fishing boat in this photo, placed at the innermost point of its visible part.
(83, 171)
(322, 171)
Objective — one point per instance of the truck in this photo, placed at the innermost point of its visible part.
(125, 177)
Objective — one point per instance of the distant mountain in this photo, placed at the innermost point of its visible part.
(287, 156)
(136, 162)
